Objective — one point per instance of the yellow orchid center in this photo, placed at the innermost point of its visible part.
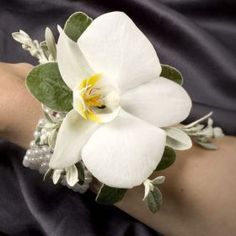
(92, 99)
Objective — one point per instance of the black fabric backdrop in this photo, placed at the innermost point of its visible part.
(196, 36)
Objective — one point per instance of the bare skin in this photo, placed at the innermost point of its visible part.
(200, 188)
(19, 111)
(199, 194)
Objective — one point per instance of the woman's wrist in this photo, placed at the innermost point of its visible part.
(20, 111)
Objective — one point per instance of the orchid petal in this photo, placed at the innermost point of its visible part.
(115, 47)
(161, 102)
(72, 64)
(124, 152)
(73, 134)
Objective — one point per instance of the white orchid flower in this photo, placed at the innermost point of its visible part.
(119, 102)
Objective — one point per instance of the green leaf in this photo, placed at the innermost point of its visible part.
(167, 159)
(46, 84)
(172, 73)
(108, 195)
(177, 139)
(80, 168)
(154, 199)
(76, 25)
(48, 174)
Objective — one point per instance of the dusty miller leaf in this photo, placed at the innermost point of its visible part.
(56, 175)
(71, 175)
(154, 199)
(208, 146)
(177, 139)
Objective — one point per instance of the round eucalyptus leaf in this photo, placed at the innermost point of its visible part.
(47, 85)
(76, 25)
(109, 196)
(167, 159)
(172, 73)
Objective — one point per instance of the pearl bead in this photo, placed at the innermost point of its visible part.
(39, 155)
(88, 179)
(41, 122)
(26, 162)
(32, 144)
(46, 110)
(29, 152)
(43, 168)
(36, 151)
(45, 149)
(36, 134)
(48, 156)
(33, 164)
(58, 116)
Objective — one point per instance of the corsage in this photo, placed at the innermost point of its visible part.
(112, 111)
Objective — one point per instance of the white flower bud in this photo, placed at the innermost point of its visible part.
(51, 44)
(22, 37)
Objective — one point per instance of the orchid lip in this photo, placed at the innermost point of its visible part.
(92, 99)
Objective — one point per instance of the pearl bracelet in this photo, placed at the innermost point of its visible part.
(38, 155)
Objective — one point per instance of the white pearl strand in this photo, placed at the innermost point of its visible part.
(37, 157)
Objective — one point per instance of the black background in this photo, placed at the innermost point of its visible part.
(196, 36)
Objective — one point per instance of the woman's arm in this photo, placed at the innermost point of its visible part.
(200, 188)
(199, 194)
(19, 111)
